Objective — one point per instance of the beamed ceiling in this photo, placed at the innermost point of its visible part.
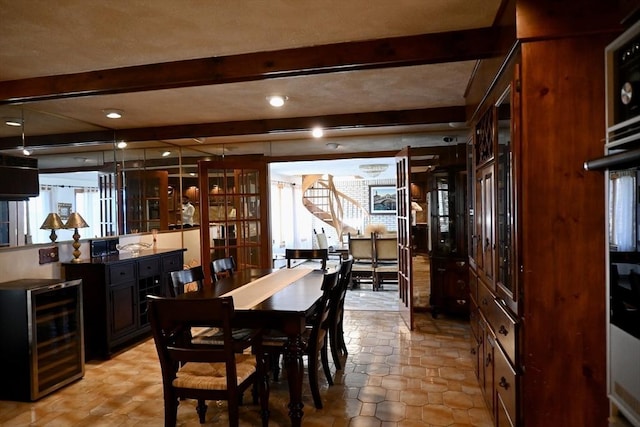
(376, 75)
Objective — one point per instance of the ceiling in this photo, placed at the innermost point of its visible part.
(377, 75)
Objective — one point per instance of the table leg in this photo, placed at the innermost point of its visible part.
(293, 352)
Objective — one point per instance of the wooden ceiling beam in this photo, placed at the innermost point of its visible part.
(246, 127)
(349, 56)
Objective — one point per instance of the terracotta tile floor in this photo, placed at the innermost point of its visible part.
(393, 377)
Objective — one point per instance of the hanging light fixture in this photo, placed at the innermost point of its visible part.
(373, 169)
(25, 150)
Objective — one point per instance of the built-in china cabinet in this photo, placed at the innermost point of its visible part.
(536, 236)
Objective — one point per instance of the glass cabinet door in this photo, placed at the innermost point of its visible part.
(232, 208)
(443, 214)
(507, 128)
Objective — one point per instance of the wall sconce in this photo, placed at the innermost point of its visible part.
(76, 221)
(52, 222)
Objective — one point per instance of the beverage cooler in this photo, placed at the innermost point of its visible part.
(621, 165)
(41, 337)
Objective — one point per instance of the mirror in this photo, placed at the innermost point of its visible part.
(151, 181)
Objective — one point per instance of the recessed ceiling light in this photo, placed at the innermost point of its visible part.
(12, 121)
(112, 113)
(166, 153)
(317, 132)
(277, 100)
(122, 144)
(332, 145)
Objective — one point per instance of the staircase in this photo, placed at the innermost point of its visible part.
(325, 202)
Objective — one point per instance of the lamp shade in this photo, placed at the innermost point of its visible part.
(52, 222)
(76, 221)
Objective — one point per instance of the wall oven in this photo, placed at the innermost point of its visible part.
(622, 174)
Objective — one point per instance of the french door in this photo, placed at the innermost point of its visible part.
(405, 251)
(234, 212)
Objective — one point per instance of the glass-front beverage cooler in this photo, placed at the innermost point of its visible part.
(41, 338)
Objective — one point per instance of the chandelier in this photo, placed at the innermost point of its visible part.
(373, 169)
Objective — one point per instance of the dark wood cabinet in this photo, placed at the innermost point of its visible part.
(449, 263)
(115, 298)
(449, 286)
(537, 228)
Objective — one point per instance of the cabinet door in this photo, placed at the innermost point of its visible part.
(484, 222)
(488, 367)
(232, 207)
(506, 206)
(122, 310)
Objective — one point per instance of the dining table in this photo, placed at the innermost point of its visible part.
(280, 299)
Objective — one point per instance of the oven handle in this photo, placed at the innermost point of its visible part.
(621, 160)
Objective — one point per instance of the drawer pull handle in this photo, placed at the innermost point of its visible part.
(503, 383)
(488, 360)
(503, 330)
(473, 351)
(461, 301)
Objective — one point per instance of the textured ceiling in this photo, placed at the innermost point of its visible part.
(41, 39)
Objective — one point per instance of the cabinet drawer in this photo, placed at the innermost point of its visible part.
(485, 301)
(505, 386)
(120, 273)
(474, 318)
(473, 285)
(506, 330)
(172, 263)
(148, 267)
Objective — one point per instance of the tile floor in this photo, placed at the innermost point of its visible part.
(393, 377)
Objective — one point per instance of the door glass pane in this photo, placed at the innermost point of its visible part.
(504, 195)
(234, 214)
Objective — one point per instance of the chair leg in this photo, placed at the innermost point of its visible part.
(313, 379)
(325, 362)
(201, 409)
(233, 409)
(340, 337)
(274, 359)
(335, 349)
(170, 410)
(263, 388)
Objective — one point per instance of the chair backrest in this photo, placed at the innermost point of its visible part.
(385, 248)
(180, 278)
(361, 248)
(222, 267)
(171, 320)
(340, 291)
(311, 254)
(321, 315)
(321, 239)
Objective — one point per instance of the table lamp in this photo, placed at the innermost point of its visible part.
(76, 221)
(52, 222)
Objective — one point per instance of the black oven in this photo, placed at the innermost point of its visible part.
(621, 164)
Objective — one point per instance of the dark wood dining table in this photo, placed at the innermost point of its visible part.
(286, 310)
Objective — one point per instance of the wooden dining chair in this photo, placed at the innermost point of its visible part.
(361, 249)
(315, 340)
(180, 283)
(222, 267)
(336, 314)
(321, 255)
(202, 372)
(385, 265)
(182, 279)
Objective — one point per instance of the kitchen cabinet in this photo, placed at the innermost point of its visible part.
(115, 298)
